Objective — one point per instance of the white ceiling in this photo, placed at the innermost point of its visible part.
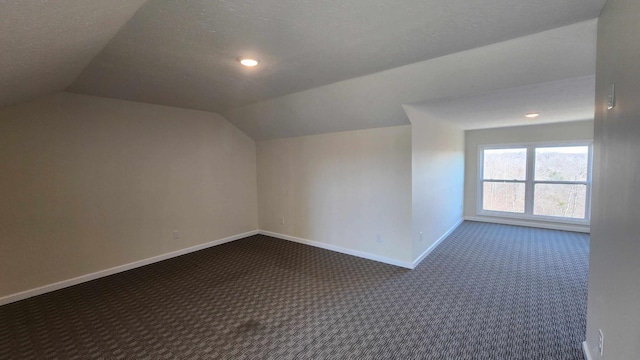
(377, 100)
(44, 45)
(557, 101)
(184, 53)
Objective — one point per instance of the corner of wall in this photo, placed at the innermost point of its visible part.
(348, 190)
(437, 180)
(101, 182)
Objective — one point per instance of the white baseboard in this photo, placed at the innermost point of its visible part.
(585, 350)
(340, 249)
(417, 261)
(102, 273)
(550, 226)
(99, 274)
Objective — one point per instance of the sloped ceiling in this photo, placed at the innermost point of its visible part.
(184, 53)
(556, 101)
(376, 100)
(44, 45)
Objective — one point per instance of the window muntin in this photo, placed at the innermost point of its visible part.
(549, 182)
(504, 173)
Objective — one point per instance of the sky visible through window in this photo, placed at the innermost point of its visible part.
(558, 181)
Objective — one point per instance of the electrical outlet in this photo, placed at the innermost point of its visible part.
(281, 221)
(378, 238)
(176, 235)
(600, 342)
(421, 237)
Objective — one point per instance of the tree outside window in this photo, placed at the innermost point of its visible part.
(536, 181)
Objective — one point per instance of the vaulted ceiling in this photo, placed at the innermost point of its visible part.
(184, 52)
(45, 45)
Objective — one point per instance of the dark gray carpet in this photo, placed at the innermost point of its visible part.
(487, 292)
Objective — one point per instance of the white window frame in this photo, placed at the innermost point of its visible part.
(530, 182)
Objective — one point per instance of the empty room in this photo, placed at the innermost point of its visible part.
(284, 179)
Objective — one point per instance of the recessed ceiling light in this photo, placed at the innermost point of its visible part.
(249, 62)
(532, 115)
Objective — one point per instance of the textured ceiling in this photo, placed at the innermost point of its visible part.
(325, 65)
(44, 45)
(556, 101)
(376, 100)
(183, 52)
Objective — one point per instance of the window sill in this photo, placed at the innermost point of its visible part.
(537, 222)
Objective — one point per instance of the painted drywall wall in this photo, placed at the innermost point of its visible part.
(437, 178)
(568, 131)
(348, 189)
(614, 264)
(90, 183)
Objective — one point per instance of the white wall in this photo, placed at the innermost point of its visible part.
(614, 264)
(437, 179)
(91, 183)
(341, 189)
(575, 130)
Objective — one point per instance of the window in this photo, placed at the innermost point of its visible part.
(550, 182)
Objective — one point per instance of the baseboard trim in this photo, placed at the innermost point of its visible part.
(585, 350)
(102, 273)
(550, 226)
(417, 261)
(118, 269)
(361, 254)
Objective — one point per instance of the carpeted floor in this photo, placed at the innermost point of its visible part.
(487, 292)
